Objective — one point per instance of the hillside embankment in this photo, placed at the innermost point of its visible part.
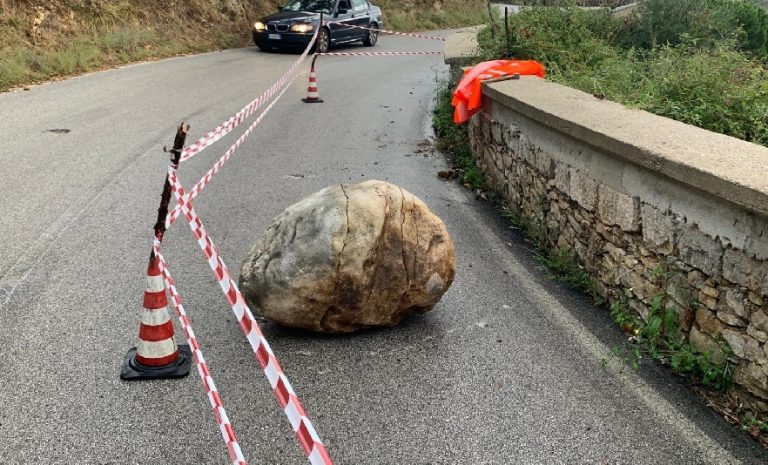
(43, 40)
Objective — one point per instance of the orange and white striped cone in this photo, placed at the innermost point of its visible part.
(312, 95)
(156, 354)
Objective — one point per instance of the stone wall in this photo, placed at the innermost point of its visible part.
(649, 206)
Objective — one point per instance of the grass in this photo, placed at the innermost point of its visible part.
(566, 269)
(659, 337)
(602, 3)
(21, 64)
(754, 426)
(454, 140)
(563, 264)
(451, 13)
(41, 44)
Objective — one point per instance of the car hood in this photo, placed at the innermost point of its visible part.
(285, 16)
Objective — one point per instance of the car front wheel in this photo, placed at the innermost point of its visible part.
(372, 36)
(323, 41)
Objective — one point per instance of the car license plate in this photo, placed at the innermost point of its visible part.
(274, 36)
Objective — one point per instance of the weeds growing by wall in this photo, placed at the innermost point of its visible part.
(658, 335)
(452, 138)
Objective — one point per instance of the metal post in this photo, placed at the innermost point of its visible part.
(490, 16)
(165, 198)
(506, 27)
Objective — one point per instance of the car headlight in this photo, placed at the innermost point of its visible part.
(301, 27)
(259, 26)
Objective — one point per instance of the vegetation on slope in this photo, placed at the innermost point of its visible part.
(44, 40)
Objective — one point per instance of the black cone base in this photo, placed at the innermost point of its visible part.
(133, 370)
(312, 100)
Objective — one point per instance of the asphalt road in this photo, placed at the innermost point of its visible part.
(507, 369)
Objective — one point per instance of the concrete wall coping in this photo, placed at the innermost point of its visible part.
(626, 10)
(724, 166)
(461, 48)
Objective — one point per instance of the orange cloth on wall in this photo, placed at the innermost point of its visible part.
(467, 98)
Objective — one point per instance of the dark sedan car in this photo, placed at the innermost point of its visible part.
(295, 23)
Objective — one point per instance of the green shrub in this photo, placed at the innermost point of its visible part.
(715, 86)
(659, 336)
(561, 34)
(752, 19)
(719, 89)
(662, 22)
(668, 22)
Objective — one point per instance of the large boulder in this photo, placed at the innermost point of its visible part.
(349, 257)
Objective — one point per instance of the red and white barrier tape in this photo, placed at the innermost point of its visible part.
(227, 432)
(378, 54)
(396, 33)
(206, 179)
(305, 433)
(235, 120)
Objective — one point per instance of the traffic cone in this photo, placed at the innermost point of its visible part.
(156, 355)
(312, 95)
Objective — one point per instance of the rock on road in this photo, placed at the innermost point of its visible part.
(507, 369)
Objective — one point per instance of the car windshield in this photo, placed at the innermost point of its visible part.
(315, 6)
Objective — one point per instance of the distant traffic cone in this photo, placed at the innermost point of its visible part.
(312, 95)
(156, 355)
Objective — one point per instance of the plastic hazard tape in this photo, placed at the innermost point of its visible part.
(396, 33)
(310, 442)
(227, 432)
(378, 54)
(235, 120)
(305, 433)
(206, 179)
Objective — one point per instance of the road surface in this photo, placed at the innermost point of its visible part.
(508, 368)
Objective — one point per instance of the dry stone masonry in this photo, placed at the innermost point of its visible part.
(649, 206)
